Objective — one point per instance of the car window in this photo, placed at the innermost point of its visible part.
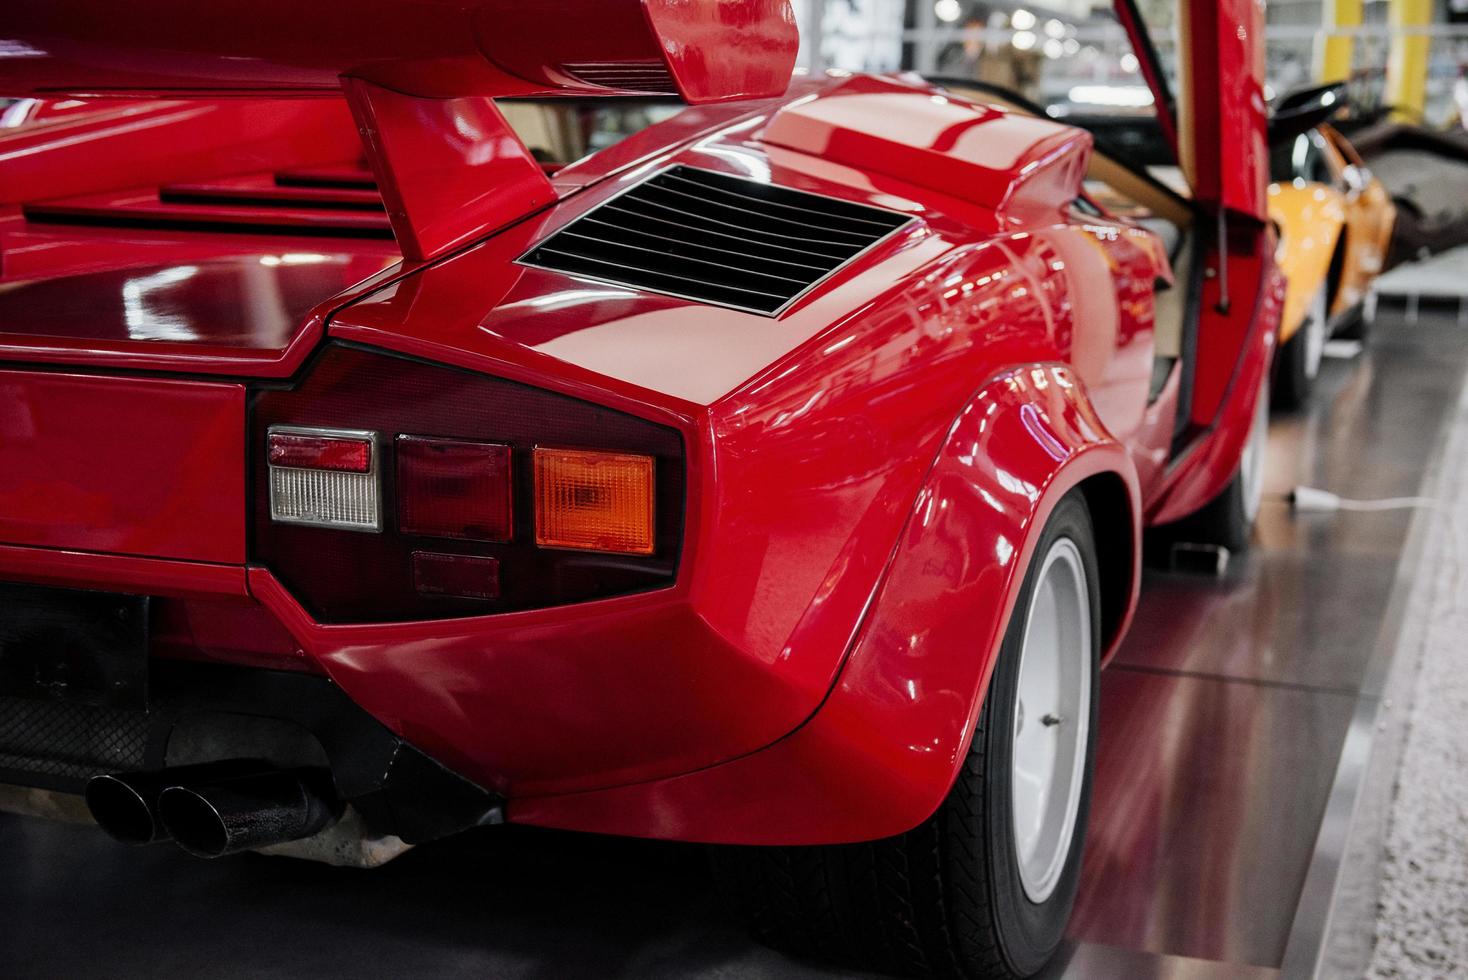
(561, 131)
(1302, 158)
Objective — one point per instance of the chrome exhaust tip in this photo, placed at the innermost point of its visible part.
(125, 806)
(210, 820)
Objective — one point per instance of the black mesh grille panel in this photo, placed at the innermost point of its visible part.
(62, 745)
(716, 238)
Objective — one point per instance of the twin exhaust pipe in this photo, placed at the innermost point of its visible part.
(214, 808)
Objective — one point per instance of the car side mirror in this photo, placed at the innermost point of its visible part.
(1302, 111)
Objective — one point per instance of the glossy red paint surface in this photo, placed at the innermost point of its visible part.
(449, 169)
(727, 49)
(120, 573)
(168, 277)
(141, 467)
(779, 581)
(719, 49)
(1006, 163)
(62, 154)
(879, 755)
(866, 472)
(242, 305)
(1222, 106)
(222, 629)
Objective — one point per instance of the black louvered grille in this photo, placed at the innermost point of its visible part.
(624, 76)
(717, 239)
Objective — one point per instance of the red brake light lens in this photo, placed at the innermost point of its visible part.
(464, 576)
(450, 496)
(454, 489)
(341, 454)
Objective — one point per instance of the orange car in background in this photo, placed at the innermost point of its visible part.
(1334, 221)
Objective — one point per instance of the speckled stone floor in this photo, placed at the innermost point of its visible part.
(1422, 924)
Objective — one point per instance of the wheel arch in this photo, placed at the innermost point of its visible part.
(886, 744)
(1117, 553)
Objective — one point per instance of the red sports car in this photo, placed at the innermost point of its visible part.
(727, 460)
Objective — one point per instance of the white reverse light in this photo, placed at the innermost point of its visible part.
(324, 477)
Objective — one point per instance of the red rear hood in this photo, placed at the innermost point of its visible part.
(242, 307)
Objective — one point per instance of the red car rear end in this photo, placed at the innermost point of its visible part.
(370, 475)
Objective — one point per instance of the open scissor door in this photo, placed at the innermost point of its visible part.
(1216, 125)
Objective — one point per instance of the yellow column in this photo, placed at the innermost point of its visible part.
(1336, 52)
(1406, 67)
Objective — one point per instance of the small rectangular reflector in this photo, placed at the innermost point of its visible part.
(465, 576)
(594, 501)
(317, 479)
(453, 489)
(345, 454)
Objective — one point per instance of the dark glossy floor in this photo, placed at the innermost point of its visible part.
(1221, 723)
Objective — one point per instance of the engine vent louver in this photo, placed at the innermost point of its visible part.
(331, 201)
(625, 76)
(715, 238)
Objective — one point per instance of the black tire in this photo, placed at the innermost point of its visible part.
(1295, 370)
(1221, 522)
(1410, 239)
(945, 898)
(1292, 385)
(1357, 326)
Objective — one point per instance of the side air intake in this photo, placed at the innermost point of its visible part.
(717, 239)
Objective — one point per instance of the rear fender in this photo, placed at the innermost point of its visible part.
(879, 755)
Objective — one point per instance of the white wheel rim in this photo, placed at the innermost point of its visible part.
(1315, 336)
(1052, 720)
(1251, 464)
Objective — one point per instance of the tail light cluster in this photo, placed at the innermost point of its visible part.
(388, 489)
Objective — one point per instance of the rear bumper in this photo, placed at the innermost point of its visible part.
(243, 712)
(447, 718)
(147, 467)
(202, 710)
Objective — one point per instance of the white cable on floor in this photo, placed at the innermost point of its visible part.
(1315, 501)
(1312, 500)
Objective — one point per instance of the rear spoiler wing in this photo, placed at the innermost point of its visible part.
(702, 50)
(418, 74)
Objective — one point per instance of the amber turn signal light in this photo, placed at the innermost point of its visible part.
(593, 501)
